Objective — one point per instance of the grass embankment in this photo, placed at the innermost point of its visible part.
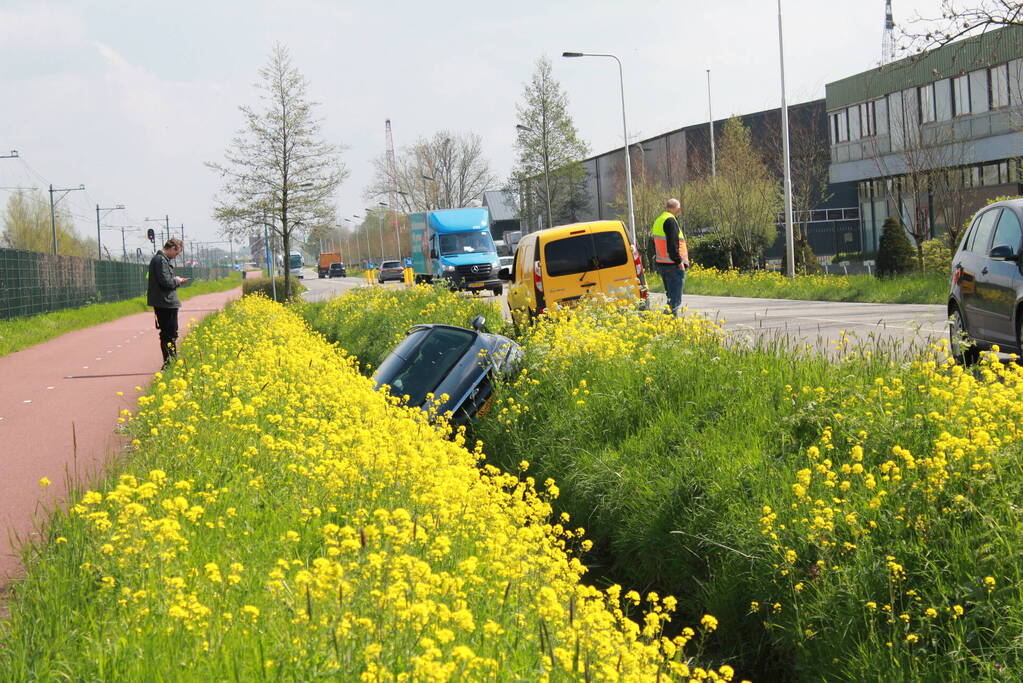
(849, 520)
(282, 520)
(20, 333)
(368, 322)
(913, 288)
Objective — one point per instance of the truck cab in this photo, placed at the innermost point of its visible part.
(455, 246)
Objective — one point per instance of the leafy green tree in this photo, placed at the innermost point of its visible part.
(895, 253)
(549, 152)
(277, 170)
(27, 226)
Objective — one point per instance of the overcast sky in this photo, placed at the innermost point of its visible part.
(130, 98)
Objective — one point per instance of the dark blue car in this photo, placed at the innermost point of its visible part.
(454, 364)
(985, 301)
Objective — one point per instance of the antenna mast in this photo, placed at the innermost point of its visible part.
(888, 40)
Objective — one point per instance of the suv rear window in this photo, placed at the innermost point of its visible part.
(582, 253)
(391, 264)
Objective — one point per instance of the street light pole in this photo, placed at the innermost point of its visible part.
(53, 204)
(789, 247)
(625, 136)
(99, 240)
(358, 242)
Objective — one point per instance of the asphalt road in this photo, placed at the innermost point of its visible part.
(822, 325)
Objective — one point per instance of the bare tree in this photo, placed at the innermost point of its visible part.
(959, 19)
(277, 171)
(548, 170)
(445, 171)
(810, 161)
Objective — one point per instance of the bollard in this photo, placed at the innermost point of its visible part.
(371, 275)
(409, 276)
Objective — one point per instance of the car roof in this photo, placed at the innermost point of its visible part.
(1015, 202)
(562, 231)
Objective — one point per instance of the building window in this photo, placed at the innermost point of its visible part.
(926, 95)
(999, 85)
(868, 126)
(840, 126)
(961, 96)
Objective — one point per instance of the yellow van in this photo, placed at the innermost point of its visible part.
(560, 265)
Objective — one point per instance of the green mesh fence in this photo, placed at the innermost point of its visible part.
(32, 282)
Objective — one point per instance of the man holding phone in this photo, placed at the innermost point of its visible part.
(163, 296)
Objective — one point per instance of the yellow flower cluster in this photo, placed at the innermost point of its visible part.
(287, 519)
(874, 510)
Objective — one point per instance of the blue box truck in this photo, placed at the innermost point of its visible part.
(455, 246)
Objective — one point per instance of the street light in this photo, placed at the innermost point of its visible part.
(358, 242)
(436, 188)
(546, 168)
(380, 229)
(625, 135)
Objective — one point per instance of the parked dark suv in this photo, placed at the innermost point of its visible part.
(985, 303)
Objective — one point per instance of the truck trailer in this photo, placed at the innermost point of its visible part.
(324, 261)
(454, 246)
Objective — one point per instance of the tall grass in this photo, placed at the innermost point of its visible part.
(20, 333)
(913, 288)
(369, 321)
(849, 517)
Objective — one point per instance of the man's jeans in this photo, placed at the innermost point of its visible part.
(674, 279)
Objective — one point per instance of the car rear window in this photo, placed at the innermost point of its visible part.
(422, 360)
(583, 253)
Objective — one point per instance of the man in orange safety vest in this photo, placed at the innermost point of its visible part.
(670, 254)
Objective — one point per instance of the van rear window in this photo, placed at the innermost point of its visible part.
(583, 253)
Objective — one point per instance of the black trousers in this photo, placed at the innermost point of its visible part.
(167, 322)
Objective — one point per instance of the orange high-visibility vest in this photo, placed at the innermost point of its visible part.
(661, 242)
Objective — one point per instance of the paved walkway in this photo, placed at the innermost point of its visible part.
(59, 408)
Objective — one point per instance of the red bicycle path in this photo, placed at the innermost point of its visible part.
(59, 406)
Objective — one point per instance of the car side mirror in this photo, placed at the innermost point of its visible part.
(504, 274)
(1003, 252)
(433, 253)
(478, 322)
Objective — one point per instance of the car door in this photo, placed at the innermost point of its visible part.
(571, 269)
(996, 282)
(617, 272)
(967, 269)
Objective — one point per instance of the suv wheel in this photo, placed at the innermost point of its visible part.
(964, 348)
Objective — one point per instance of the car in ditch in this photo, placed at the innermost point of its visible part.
(448, 369)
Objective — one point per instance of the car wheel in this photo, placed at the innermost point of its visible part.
(498, 291)
(964, 348)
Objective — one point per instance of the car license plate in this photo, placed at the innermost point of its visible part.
(475, 285)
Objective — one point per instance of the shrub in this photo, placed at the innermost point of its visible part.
(937, 257)
(895, 253)
(854, 256)
(264, 286)
(709, 251)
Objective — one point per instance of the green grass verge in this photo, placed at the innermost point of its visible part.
(849, 519)
(20, 333)
(914, 288)
(368, 322)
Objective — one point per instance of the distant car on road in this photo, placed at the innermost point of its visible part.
(453, 361)
(337, 269)
(506, 262)
(391, 270)
(985, 300)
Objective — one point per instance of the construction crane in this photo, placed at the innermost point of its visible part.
(888, 39)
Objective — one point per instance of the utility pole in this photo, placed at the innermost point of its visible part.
(710, 122)
(99, 240)
(53, 204)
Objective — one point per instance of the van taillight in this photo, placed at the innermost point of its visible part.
(637, 261)
(537, 278)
